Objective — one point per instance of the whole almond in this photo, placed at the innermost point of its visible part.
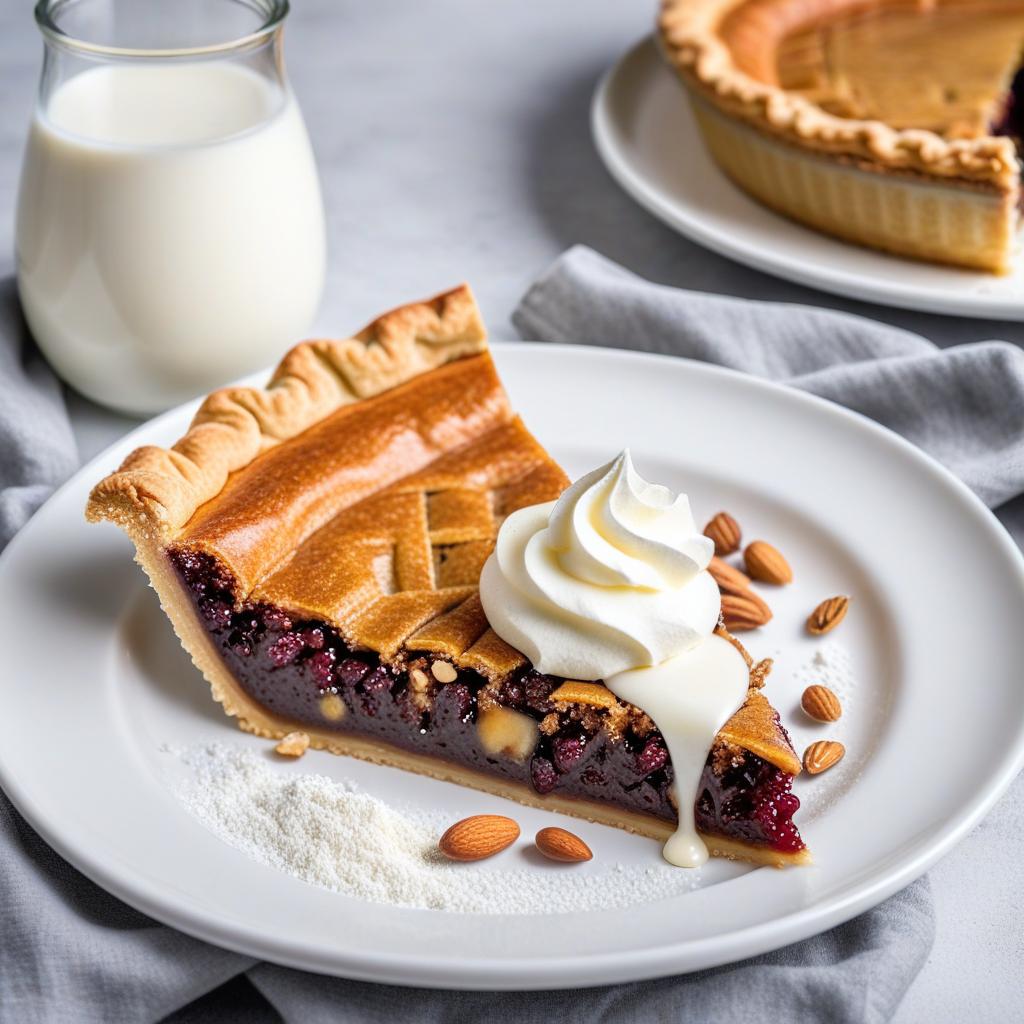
(725, 532)
(821, 756)
(827, 615)
(560, 844)
(821, 703)
(729, 580)
(482, 835)
(765, 563)
(745, 611)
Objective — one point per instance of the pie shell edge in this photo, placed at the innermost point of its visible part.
(691, 42)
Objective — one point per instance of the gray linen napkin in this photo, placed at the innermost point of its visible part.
(962, 405)
(68, 950)
(37, 448)
(72, 952)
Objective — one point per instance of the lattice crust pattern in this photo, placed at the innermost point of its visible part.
(392, 558)
(363, 486)
(399, 570)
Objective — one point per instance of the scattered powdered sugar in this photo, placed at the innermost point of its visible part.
(332, 835)
(831, 665)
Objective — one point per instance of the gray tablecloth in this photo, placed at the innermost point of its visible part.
(72, 952)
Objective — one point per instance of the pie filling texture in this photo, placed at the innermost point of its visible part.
(318, 547)
(304, 673)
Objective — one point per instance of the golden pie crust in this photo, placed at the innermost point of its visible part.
(949, 197)
(364, 487)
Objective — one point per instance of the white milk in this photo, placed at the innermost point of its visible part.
(170, 230)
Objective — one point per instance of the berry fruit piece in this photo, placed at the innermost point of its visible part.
(285, 649)
(652, 757)
(543, 775)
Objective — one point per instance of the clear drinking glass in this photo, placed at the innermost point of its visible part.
(170, 231)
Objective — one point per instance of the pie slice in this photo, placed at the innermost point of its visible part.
(894, 124)
(318, 544)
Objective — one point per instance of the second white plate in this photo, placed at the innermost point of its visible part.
(647, 137)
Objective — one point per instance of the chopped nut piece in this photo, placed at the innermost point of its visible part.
(725, 756)
(444, 672)
(616, 720)
(487, 697)
(549, 724)
(419, 689)
(295, 744)
(332, 707)
(643, 724)
(759, 673)
(507, 732)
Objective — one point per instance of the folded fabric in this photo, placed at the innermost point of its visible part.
(962, 405)
(70, 951)
(37, 448)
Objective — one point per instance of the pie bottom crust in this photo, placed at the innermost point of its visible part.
(253, 719)
(902, 213)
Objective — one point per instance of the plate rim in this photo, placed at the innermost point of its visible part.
(585, 970)
(809, 273)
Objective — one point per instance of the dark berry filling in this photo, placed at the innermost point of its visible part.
(290, 665)
(752, 802)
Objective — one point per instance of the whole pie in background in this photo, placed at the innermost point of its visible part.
(318, 544)
(890, 123)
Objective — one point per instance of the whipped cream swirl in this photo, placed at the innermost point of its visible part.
(610, 577)
(610, 582)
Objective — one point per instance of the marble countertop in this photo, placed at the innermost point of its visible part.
(453, 144)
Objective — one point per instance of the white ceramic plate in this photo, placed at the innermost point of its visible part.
(647, 137)
(94, 684)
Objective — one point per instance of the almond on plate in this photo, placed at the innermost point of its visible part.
(741, 612)
(729, 579)
(482, 835)
(821, 703)
(820, 756)
(766, 564)
(562, 845)
(827, 615)
(725, 532)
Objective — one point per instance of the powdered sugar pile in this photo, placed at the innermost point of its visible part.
(332, 835)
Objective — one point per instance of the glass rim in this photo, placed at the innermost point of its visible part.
(46, 11)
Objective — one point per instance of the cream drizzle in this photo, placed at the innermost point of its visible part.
(610, 582)
(689, 697)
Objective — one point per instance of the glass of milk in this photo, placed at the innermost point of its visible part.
(170, 230)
